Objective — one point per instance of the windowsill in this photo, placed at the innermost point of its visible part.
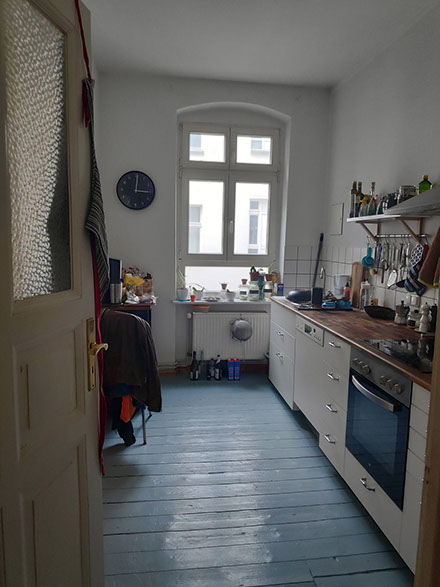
(222, 302)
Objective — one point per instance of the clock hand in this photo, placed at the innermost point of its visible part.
(142, 191)
(135, 189)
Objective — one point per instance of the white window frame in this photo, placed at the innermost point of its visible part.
(230, 173)
(187, 129)
(272, 133)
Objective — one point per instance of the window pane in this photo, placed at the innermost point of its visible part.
(207, 197)
(251, 220)
(207, 147)
(37, 151)
(256, 150)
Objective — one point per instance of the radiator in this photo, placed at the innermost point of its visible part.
(212, 335)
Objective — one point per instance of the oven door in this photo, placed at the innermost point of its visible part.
(377, 434)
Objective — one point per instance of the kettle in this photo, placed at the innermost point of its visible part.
(401, 313)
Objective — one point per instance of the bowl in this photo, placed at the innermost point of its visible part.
(380, 312)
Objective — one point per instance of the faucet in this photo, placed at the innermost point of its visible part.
(323, 275)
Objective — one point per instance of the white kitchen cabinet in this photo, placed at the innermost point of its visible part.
(377, 503)
(336, 353)
(409, 535)
(281, 370)
(282, 352)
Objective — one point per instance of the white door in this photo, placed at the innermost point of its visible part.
(50, 484)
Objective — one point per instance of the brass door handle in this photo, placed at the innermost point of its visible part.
(94, 348)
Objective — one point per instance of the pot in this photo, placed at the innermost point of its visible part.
(182, 294)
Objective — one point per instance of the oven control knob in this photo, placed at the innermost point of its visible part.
(365, 369)
(383, 379)
(397, 388)
(389, 383)
(356, 361)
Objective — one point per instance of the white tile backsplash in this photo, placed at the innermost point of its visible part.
(300, 262)
(303, 267)
(304, 252)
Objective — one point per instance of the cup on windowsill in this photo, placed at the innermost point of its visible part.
(192, 297)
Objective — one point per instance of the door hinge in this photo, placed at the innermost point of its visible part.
(180, 168)
(278, 176)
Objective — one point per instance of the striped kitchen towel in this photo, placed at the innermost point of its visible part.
(95, 221)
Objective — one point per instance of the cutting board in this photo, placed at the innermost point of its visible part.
(357, 275)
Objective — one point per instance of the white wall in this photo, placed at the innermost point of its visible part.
(137, 118)
(386, 128)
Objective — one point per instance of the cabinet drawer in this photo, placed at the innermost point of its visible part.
(419, 421)
(381, 508)
(332, 433)
(421, 398)
(409, 535)
(282, 339)
(281, 373)
(283, 316)
(335, 383)
(336, 353)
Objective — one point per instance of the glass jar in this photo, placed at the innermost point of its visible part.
(406, 192)
(253, 291)
(268, 289)
(243, 291)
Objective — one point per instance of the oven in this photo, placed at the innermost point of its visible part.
(379, 400)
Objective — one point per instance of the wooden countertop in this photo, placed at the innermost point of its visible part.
(356, 326)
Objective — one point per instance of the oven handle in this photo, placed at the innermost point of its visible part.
(373, 397)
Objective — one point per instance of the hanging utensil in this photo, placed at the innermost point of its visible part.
(368, 260)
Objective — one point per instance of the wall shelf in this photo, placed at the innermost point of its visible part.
(378, 219)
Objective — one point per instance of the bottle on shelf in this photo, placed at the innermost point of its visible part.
(210, 369)
(372, 204)
(359, 198)
(353, 205)
(347, 290)
(217, 369)
(364, 298)
(194, 372)
(425, 184)
(364, 200)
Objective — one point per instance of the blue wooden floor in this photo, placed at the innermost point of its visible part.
(233, 490)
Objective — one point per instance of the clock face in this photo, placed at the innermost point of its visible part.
(135, 190)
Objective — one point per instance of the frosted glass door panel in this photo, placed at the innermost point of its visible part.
(251, 218)
(205, 229)
(37, 151)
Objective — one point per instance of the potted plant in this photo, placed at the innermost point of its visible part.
(182, 290)
(198, 291)
(253, 274)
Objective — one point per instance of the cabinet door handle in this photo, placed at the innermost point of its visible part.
(330, 408)
(280, 333)
(363, 480)
(335, 345)
(280, 356)
(329, 439)
(331, 376)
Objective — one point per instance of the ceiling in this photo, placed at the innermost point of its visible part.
(318, 42)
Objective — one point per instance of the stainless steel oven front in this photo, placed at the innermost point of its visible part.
(379, 400)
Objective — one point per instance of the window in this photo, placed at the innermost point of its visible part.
(228, 198)
(195, 225)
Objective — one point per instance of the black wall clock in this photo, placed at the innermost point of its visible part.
(135, 190)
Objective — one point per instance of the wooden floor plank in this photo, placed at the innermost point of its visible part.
(323, 482)
(297, 550)
(142, 458)
(233, 490)
(346, 565)
(213, 466)
(391, 578)
(238, 536)
(217, 478)
(236, 519)
(244, 575)
(225, 504)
